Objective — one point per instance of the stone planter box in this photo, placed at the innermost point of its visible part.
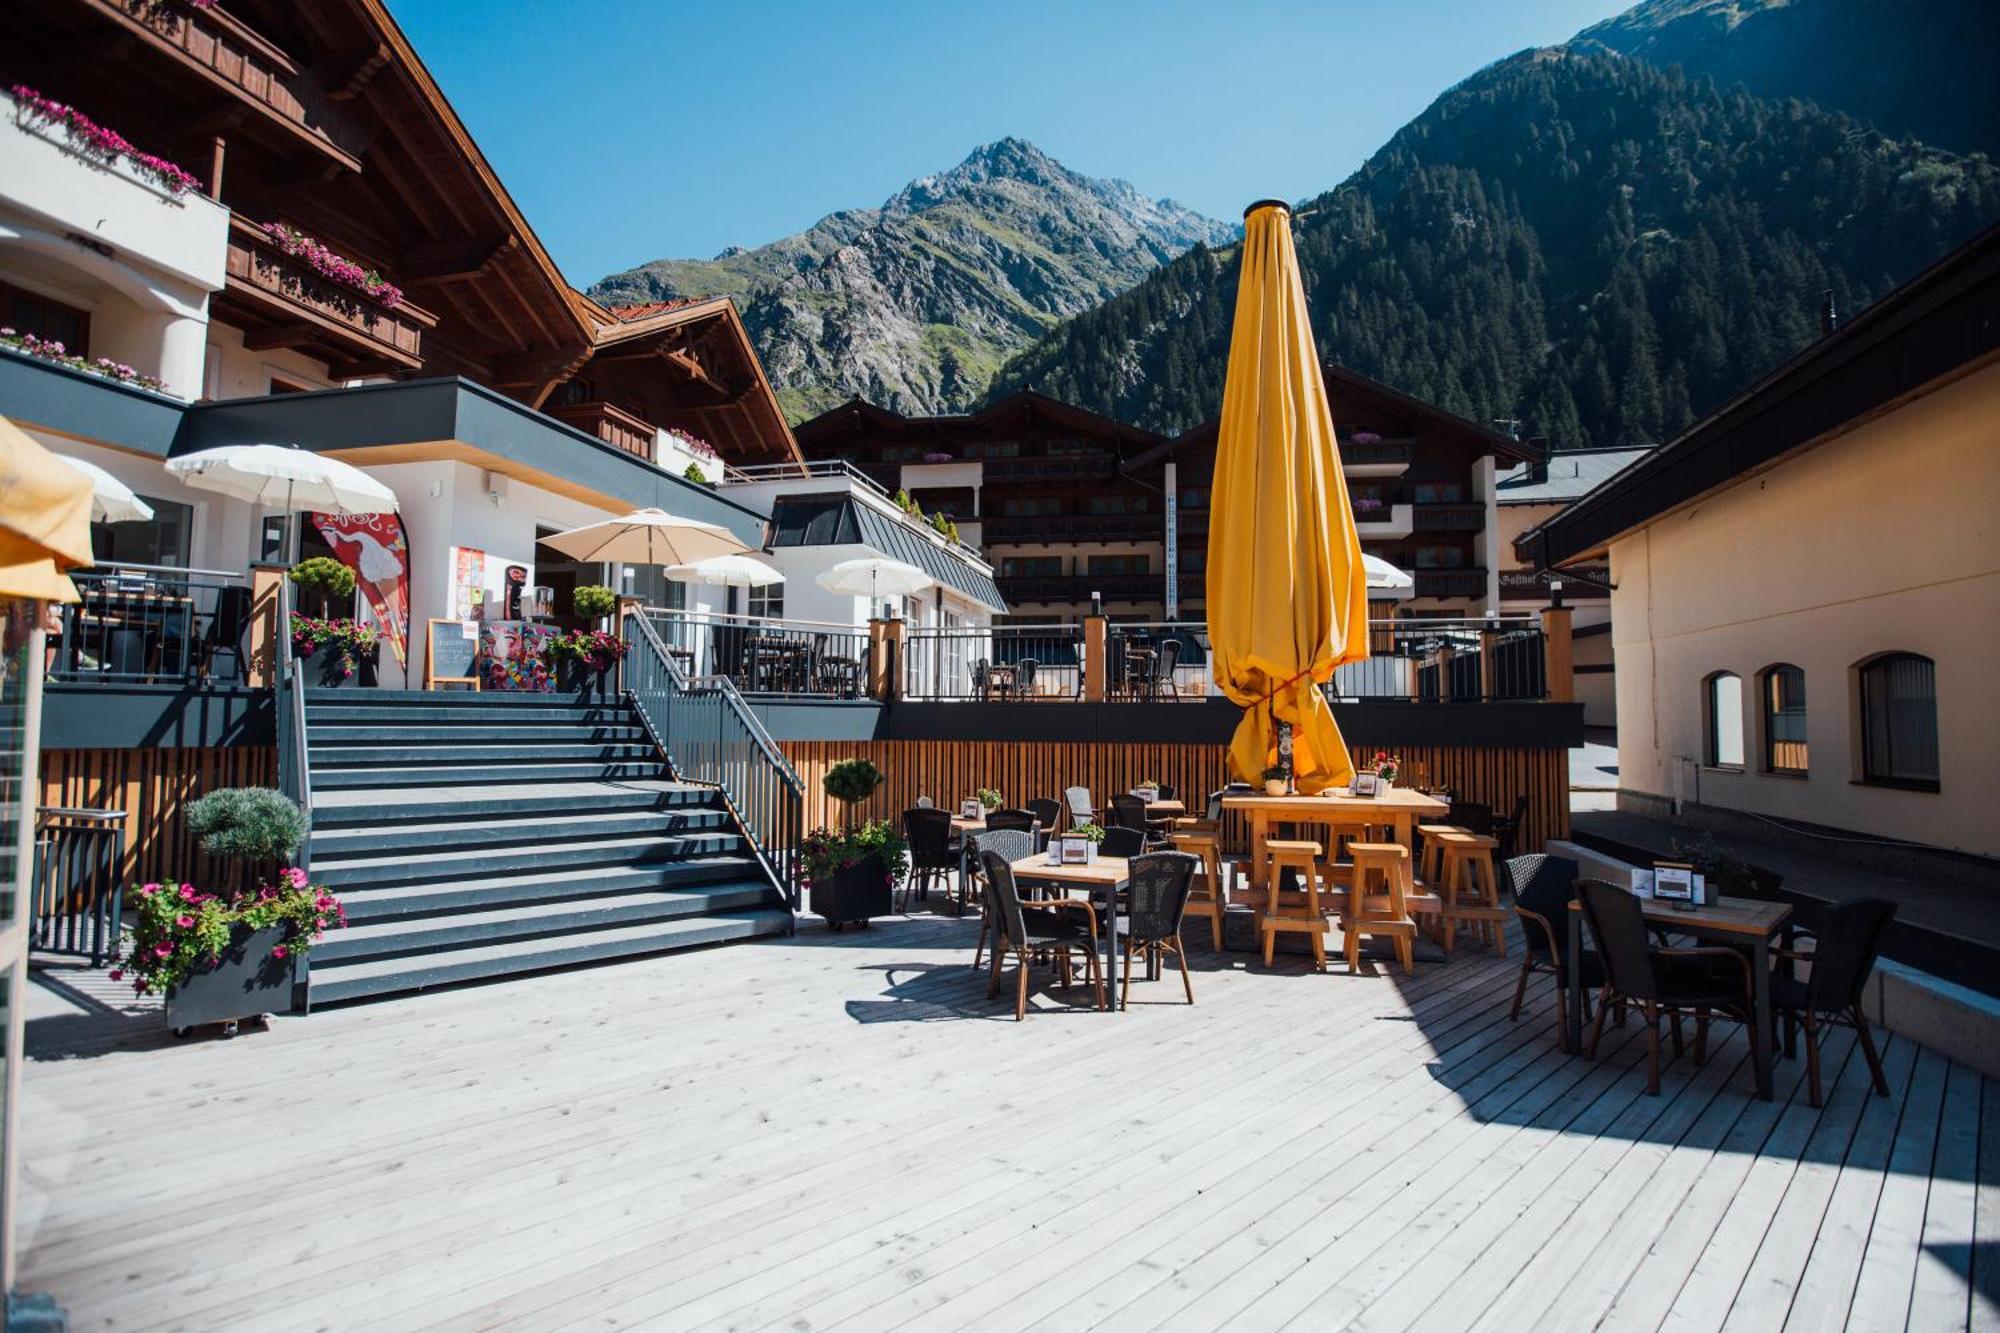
(245, 981)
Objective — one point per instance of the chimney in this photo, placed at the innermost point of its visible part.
(1829, 315)
(1538, 471)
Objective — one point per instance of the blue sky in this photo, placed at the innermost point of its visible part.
(631, 130)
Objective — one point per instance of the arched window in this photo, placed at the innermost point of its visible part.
(1899, 734)
(1784, 698)
(1722, 707)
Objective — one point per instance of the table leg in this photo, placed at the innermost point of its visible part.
(1260, 828)
(1573, 978)
(1761, 1032)
(1109, 917)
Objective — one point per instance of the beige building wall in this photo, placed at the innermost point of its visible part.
(1882, 540)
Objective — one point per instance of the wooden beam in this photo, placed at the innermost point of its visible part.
(346, 79)
(442, 263)
(295, 334)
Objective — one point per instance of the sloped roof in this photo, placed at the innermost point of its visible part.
(1571, 473)
(842, 520)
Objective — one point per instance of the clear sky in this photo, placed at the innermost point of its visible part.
(631, 130)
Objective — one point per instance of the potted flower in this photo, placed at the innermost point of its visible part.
(345, 652)
(1386, 767)
(989, 798)
(1148, 790)
(582, 658)
(852, 873)
(1277, 780)
(1080, 843)
(220, 960)
(593, 602)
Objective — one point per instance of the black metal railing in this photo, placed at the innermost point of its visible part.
(288, 697)
(152, 623)
(709, 736)
(765, 656)
(1435, 661)
(993, 662)
(79, 884)
(1157, 660)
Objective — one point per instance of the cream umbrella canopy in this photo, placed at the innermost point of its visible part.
(111, 500)
(726, 571)
(1384, 577)
(873, 577)
(285, 477)
(1287, 590)
(647, 537)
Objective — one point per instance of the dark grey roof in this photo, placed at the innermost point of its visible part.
(842, 520)
(1571, 473)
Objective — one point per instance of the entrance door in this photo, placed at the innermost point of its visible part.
(563, 576)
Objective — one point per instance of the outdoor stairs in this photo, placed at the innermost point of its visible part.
(474, 836)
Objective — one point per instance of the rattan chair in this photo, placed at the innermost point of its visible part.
(1009, 845)
(1056, 935)
(928, 831)
(1543, 888)
(1659, 981)
(1081, 810)
(1129, 811)
(1123, 843)
(1842, 958)
(1156, 897)
(1048, 812)
(1024, 820)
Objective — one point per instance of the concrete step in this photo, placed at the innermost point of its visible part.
(337, 982)
(417, 863)
(325, 735)
(347, 808)
(456, 752)
(342, 777)
(480, 893)
(533, 829)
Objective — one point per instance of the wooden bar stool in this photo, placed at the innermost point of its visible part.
(1211, 892)
(1380, 912)
(1469, 889)
(1311, 916)
(1433, 853)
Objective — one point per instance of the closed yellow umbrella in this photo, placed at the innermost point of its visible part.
(44, 519)
(1287, 594)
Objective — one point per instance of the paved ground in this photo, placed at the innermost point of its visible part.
(842, 1132)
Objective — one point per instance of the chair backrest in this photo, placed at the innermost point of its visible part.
(1512, 834)
(231, 618)
(1122, 842)
(1008, 844)
(1003, 900)
(1024, 820)
(1169, 658)
(1157, 892)
(1166, 791)
(1844, 952)
(1213, 810)
(1472, 817)
(981, 670)
(1024, 675)
(929, 835)
(1080, 808)
(1618, 927)
(1127, 811)
(1048, 812)
(1544, 885)
(925, 803)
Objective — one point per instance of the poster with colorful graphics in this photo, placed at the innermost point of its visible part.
(374, 547)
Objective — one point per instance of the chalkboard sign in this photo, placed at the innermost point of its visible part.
(453, 657)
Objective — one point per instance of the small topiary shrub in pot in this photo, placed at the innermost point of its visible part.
(852, 873)
(325, 586)
(257, 828)
(593, 602)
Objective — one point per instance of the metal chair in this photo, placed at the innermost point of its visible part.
(1081, 810)
(1160, 672)
(226, 630)
(1842, 958)
(1543, 888)
(1016, 933)
(928, 831)
(1024, 678)
(1156, 902)
(1659, 981)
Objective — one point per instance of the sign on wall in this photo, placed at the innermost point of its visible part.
(376, 549)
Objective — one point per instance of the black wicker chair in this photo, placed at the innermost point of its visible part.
(1056, 934)
(1009, 845)
(1842, 958)
(1155, 901)
(1024, 820)
(1129, 811)
(1543, 888)
(1123, 843)
(1166, 791)
(928, 831)
(1659, 981)
(1048, 812)
(1508, 830)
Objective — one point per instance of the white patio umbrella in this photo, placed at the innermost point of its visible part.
(1384, 577)
(873, 577)
(285, 477)
(647, 537)
(111, 500)
(726, 571)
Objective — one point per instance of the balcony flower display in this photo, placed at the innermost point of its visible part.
(581, 657)
(333, 267)
(1366, 504)
(96, 141)
(935, 457)
(1367, 437)
(48, 349)
(692, 445)
(351, 647)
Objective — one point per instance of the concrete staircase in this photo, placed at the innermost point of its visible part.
(473, 836)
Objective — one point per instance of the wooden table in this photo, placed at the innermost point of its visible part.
(1162, 809)
(1103, 878)
(1400, 809)
(1742, 921)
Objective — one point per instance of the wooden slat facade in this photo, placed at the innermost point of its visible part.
(950, 771)
(151, 787)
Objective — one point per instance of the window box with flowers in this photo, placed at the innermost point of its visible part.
(582, 660)
(336, 653)
(220, 960)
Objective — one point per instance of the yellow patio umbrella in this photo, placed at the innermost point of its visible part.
(1287, 594)
(44, 519)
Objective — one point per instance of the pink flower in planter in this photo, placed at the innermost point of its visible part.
(187, 893)
(163, 951)
(118, 974)
(295, 877)
(148, 890)
(267, 893)
(184, 921)
(280, 951)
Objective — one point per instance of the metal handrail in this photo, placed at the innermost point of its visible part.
(289, 699)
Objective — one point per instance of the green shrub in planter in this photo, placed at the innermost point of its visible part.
(246, 824)
(593, 601)
(326, 581)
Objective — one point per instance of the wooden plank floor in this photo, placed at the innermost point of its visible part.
(841, 1132)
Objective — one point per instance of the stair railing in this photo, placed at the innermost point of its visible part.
(289, 697)
(709, 736)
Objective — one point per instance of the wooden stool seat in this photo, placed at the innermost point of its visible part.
(1380, 912)
(1427, 870)
(1469, 890)
(1211, 894)
(1283, 912)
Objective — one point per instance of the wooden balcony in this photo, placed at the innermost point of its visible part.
(1074, 528)
(1451, 517)
(282, 302)
(611, 424)
(1451, 582)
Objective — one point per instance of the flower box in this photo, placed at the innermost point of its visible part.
(853, 893)
(245, 980)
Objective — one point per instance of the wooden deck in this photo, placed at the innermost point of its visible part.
(840, 1132)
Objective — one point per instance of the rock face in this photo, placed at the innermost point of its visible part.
(914, 305)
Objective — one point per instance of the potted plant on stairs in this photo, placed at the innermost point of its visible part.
(582, 659)
(338, 649)
(852, 872)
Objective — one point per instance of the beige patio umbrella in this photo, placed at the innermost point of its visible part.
(647, 537)
(726, 571)
(111, 500)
